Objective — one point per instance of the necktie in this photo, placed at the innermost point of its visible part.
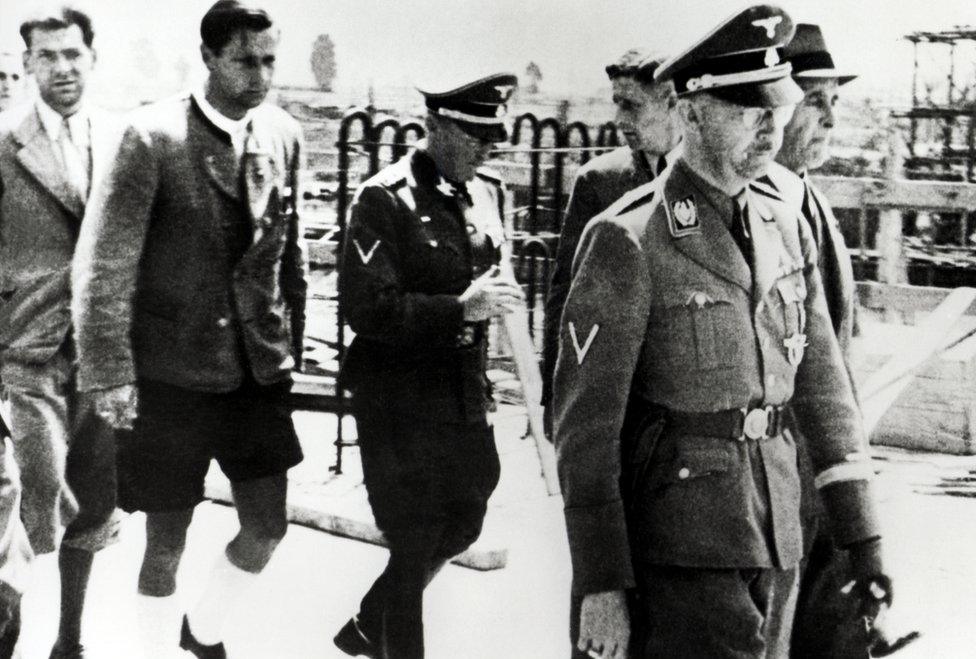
(76, 163)
(740, 227)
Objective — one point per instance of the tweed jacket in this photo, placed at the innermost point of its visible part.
(409, 253)
(598, 184)
(663, 309)
(158, 292)
(40, 217)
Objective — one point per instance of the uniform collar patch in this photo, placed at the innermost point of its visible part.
(683, 217)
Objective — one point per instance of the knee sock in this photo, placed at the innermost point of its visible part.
(228, 584)
(159, 625)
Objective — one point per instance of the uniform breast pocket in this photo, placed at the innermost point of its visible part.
(792, 294)
(693, 334)
(437, 259)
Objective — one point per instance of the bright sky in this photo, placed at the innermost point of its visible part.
(395, 42)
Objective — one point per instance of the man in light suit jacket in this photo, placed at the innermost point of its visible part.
(189, 306)
(49, 151)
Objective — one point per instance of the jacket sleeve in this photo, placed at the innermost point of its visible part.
(603, 328)
(581, 209)
(294, 279)
(376, 303)
(828, 415)
(106, 264)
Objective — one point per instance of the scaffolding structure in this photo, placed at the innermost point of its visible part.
(942, 131)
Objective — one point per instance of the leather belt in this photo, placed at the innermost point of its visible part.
(738, 424)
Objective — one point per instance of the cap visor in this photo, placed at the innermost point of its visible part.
(771, 94)
(488, 132)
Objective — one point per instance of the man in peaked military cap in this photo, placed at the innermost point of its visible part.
(644, 117)
(418, 284)
(696, 313)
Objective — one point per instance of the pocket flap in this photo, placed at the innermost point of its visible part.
(691, 464)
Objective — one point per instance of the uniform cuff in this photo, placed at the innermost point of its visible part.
(599, 548)
(851, 508)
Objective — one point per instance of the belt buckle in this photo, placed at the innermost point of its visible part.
(755, 425)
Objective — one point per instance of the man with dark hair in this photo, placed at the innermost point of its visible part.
(644, 117)
(696, 313)
(189, 306)
(48, 151)
(418, 284)
(11, 80)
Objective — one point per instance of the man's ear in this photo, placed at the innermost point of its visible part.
(688, 113)
(26, 59)
(208, 56)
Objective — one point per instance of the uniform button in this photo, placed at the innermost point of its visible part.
(684, 473)
(770, 380)
(760, 306)
(223, 322)
(701, 299)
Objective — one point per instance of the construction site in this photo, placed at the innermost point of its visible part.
(903, 186)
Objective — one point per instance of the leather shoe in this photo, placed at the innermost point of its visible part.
(354, 642)
(189, 643)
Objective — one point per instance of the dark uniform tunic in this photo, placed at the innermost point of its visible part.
(667, 323)
(417, 372)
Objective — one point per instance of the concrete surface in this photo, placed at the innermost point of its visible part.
(520, 612)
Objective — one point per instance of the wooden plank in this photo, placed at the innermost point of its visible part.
(527, 364)
(884, 386)
(904, 297)
(845, 192)
(309, 511)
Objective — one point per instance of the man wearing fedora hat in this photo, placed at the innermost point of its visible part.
(823, 625)
(696, 314)
(418, 283)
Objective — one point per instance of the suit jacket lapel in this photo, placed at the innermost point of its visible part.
(838, 272)
(712, 246)
(220, 161)
(38, 157)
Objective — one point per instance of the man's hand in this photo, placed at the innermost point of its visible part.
(604, 625)
(117, 406)
(491, 295)
(869, 583)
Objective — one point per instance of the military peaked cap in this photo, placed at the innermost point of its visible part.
(739, 61)
(479, 107)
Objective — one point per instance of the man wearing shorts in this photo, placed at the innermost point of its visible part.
(189, 305)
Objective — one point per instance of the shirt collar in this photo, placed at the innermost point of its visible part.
(718, 199)
(52, 120)
(235, 128)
